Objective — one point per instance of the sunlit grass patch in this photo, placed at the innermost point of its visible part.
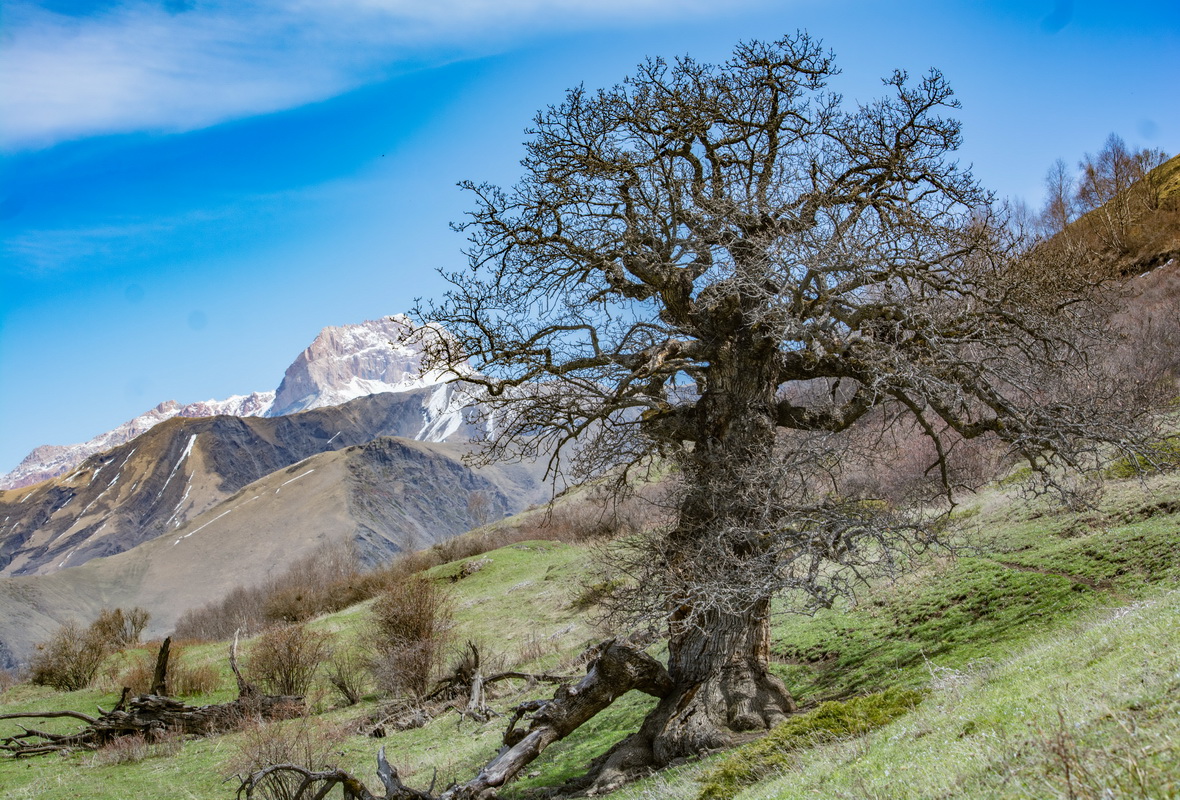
(777, 750)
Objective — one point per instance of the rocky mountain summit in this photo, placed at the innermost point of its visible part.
(351, 361)
(342, 363)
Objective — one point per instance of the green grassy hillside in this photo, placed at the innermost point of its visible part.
(1040, 661)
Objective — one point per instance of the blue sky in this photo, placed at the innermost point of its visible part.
(190, 190)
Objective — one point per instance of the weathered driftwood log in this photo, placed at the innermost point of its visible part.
(617, 669)
(151, 715)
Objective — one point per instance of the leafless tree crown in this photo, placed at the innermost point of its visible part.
(733, 265)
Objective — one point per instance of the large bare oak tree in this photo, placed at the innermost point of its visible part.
(731, 266)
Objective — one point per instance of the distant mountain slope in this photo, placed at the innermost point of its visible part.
(387, 495)
(341, 364)
(185, 466)
(51, 460)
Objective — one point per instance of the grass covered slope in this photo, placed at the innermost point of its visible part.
(1023, 569)
(1049, 655)
(1042, 661)
(1089, 711)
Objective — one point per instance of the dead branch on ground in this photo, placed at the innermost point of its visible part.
(617, 669)
(151, 716)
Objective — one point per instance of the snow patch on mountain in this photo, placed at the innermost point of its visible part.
(444, 414)
(255, 404)
(49, 461)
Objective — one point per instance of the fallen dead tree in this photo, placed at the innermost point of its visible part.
(468, 683)
(151, 716)
(615, 670)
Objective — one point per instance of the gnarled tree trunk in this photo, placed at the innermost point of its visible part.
(719, 646)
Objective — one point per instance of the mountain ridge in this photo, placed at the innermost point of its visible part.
(179, 468)
(341, 364)
(387, 495)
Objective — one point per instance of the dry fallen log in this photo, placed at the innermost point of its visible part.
(151, 715)
(467, 678)
(617, 669)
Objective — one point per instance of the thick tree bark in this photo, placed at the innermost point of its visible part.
(718, 653)
(727, 689)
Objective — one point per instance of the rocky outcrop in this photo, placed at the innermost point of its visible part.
(351, 361)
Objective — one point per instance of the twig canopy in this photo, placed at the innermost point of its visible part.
(706, 254)
(732, 266)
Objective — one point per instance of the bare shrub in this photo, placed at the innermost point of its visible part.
(8, 679)
(240, 610)
(184, 679)
(137, 676)
(323, 581)
(69, 660)
(121, 750)
(899, 464)
(1149, 352)
(480, 508)
(411, 622)
(462, 547)
(399, 570)
(121, 629)
(189, 680)
(285, 660)
(533, 648)
(1123, 761)
(304, 742)
(348, 673)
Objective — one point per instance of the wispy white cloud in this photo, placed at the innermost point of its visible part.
(147, 66)
(44, 251)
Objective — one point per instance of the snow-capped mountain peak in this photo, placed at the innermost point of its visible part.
(351, 361)
(342, 363)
